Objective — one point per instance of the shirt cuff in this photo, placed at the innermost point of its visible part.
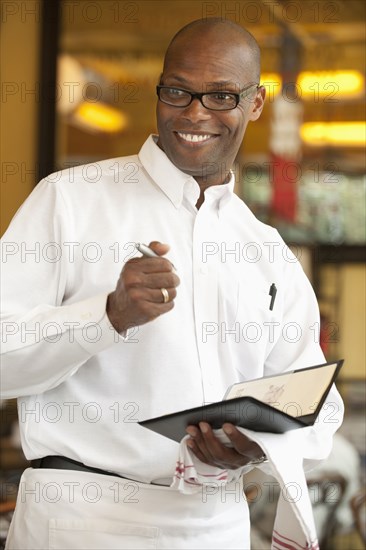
(96, 333)
(121, 336)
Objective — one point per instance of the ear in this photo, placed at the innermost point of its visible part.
(258, 104)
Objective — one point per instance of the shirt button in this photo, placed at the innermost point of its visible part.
(204, 270)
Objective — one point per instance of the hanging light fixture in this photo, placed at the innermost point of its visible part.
(331, 84)
(99, 117)
(346, 134)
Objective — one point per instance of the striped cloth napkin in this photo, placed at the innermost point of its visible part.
(294, 527)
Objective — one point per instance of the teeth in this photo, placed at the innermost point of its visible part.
(194, 137)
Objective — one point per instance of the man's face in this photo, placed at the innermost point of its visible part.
(199, 67)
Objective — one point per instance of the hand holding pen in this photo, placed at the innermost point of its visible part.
(145, 290)
(148, 252)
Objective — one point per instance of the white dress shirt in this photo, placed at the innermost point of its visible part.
(82, 387)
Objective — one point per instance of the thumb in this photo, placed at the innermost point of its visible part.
(159, 248)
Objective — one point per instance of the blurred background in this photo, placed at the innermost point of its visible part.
(78, 85)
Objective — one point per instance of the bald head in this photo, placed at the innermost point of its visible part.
(218, 33)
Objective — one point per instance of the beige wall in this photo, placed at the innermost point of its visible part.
(19, 61)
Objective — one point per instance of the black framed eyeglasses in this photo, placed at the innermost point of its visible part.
(215, 101)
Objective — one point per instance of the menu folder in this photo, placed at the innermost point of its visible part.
(248, 411)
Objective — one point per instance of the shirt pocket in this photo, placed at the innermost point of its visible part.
(254, 304)
(94, 534)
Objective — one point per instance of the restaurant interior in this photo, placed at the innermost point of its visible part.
(78, 86)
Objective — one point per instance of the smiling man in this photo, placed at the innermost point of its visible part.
(90, 349)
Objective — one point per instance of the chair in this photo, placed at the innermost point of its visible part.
(326, 493)
(358, 506)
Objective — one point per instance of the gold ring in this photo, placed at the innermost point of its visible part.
(165, 294)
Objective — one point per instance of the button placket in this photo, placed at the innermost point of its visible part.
(205, 285)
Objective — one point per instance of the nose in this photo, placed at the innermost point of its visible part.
(195, 112)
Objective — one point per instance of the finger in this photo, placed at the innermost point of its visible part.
(214, 447)
(149, 265)
(214, 451)
(159, 248)
(151, 289)
(158, 280)
(200, 451)
(197, 452)
(151, 296)
(133, 277)
(157, 295)
(199, 444)
(221, 455)
(241, 443)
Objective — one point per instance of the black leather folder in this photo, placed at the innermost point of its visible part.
(247, 412)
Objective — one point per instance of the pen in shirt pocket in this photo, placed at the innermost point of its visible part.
(272, 293)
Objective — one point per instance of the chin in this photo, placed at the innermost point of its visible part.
(193, 171)
(191, 166)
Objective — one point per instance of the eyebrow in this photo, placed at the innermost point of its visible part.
(183, 81)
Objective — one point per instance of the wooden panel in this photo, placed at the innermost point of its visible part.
(19, 53)
(352, 320)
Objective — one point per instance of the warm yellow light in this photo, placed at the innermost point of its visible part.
(331, 85)
(351, 134)
(99, 117)
(273, 84)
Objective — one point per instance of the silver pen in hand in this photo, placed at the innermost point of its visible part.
(146, 251)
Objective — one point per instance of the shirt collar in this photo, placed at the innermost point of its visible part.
(175, 183)
(219, 195)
